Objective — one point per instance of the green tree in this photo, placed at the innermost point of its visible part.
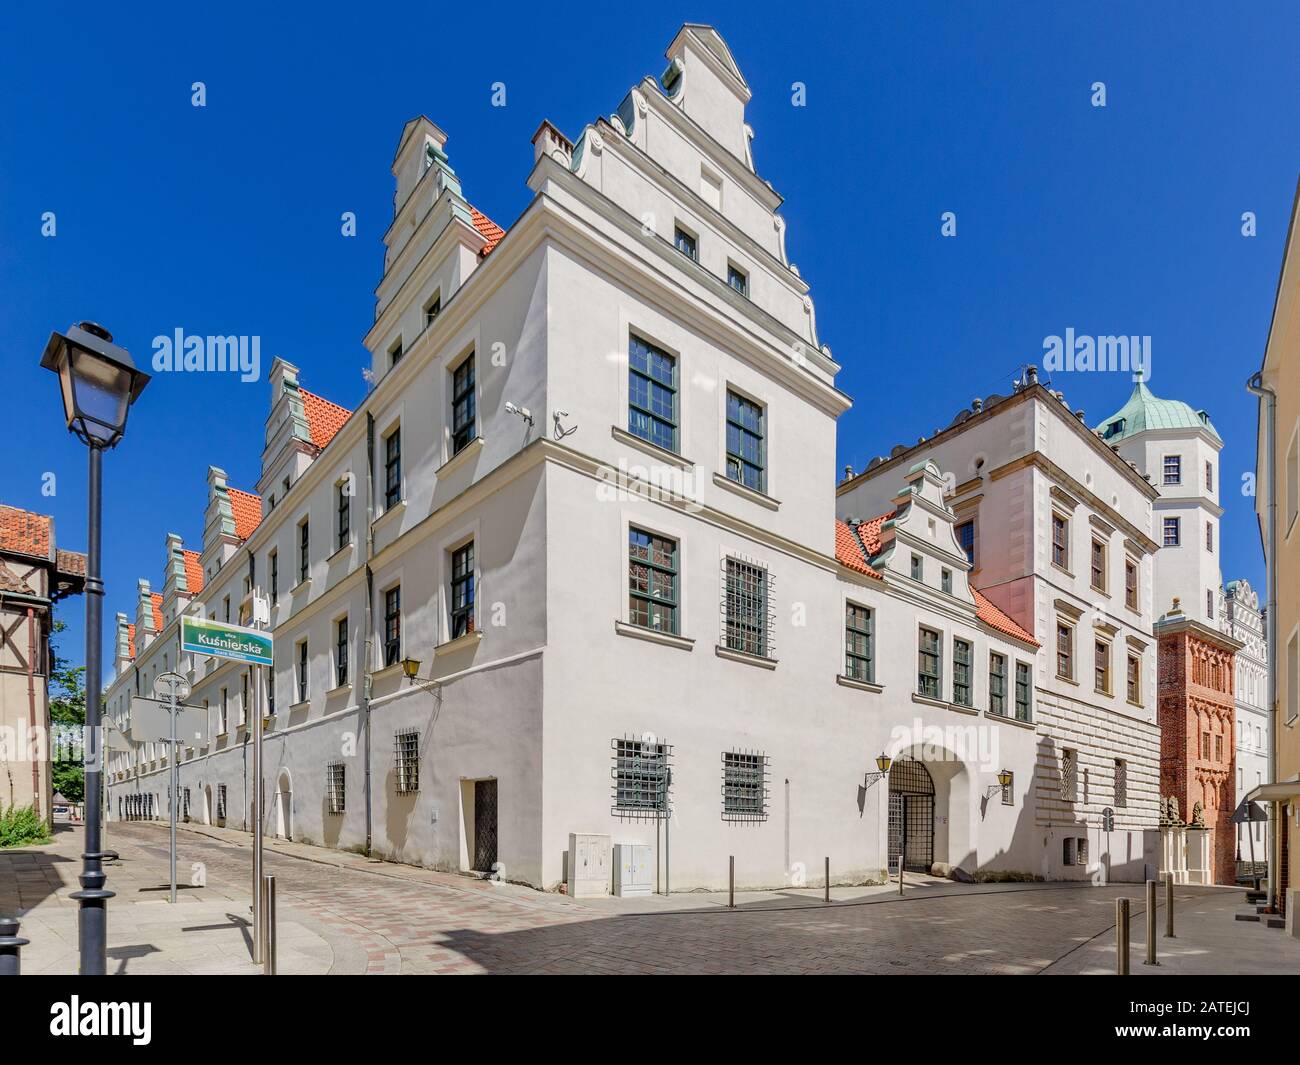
(67, 716)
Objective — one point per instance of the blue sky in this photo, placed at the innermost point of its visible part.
(225, 219)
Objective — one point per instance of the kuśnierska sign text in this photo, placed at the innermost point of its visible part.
(226, 641)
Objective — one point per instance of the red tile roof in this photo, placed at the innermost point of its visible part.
(193, 572)
(24, 533)
(490, 230)
(994, 617)
(870, 533)
(247, 509)
(72, 563)
(324, 418)
(130, 640)
(849, 552)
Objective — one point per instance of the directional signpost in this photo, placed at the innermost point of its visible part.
(254, 647)
(175, 688)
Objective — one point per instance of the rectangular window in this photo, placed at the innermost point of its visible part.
(1209, 603)
(243, 700)
(686, 243)
(746, 461)
(395, 353)
(393, 469)
(929, 680)
(432, 309)
(1134, 679)
(997, 683)
(462, 591)
(918, 568)
(652, 581)
(406, 761)
(304, 551)
(1205, 746)
(1130, 584)
(859, 643)
(275, 577)
(1209, 476)
(738, 279)
(392, 625)
(1064, 651)
(745, 613)
(744, 786)
(341, 653)
(1218, 748)
(1024, 691)
(225, 607)
(1101, 667)
(1099, 565)
(463, 406)
(1069, 774)
(1121, 783)
(343, 508)
(651, 394)
(270, 691)
(1209, 536)
(966, 537)
(302, 672)
(224, 721)
(1009, 790)
(336, 787)
(640, 777)
(945, 580)
(961, 663)
(1173, 532)
(1060, 542)
(1173, 469)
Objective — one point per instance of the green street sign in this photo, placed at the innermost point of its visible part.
(226, 641)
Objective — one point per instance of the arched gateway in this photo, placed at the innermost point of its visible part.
(911, 815)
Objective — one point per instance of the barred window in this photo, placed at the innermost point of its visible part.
(406, 760)
(185, 804)
(1172, 532)
(651, 394)
(335, 794)
(462, 591)
(1024, 691)
(652, 581)
(745, 442)
(221, 802)
(463, 405)
(746, 617)
(859, 643)
(1121, 783)
(1173, 469)
(641, 777)
(744, 786)
(1069, 774)
(997, 683)
(392, 625)
(961, 660)
(929, 665)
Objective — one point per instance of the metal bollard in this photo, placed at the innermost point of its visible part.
(11, 945)
(268, 925)
(1151, 923)
(900, 874)
(828, 879)
(1121, 936)
(1169, 908)
(731, 882)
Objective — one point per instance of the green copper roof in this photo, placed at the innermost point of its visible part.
(1144, 411)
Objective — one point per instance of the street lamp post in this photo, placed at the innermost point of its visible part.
(99, 383)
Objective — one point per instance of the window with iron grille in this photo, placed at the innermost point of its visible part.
(1060, 541)
(1009, 790)
(302, 672)
(651, 394)
(462, 591)
(652, 581)
(1134, 679)
(185, 804)
(1173, 469)
(1098, 565)
(393, 469)
(406, 760)
(1069, 774)
(641, 777)
(341, 652)
(335, 794)
(961, 660)
(304, 550)
(859, 643)
(929, 680)
(1081, 850)
(221, 802)
(343, 527)
(1064, 651)
(463, 405)
(392, 625)
(275, 576)
(1101, 667)
(1121, 783)
(746, 620)
(997, 683)
(744, 786)
(1131, 584)
(746, 458)
(1172, 532)
(966, 537)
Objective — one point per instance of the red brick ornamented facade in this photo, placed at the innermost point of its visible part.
(1196, 710)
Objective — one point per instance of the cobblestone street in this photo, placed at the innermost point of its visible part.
(340, 913)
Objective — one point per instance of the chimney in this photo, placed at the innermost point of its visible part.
(144, 626)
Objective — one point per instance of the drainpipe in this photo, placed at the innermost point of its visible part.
(31, 710)
(1255, 386)
(367, 620)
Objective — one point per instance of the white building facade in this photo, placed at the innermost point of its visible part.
(1243, 620)
(583, 495)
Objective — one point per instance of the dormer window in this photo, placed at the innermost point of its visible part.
(686, 244)
(1114, 428)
